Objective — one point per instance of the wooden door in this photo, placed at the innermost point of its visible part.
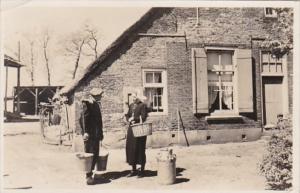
(272, 92)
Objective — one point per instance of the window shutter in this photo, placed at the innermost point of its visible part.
(245, 84)
(199, 77)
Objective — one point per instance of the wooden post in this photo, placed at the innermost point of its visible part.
(18, 92)
(183, 129)
(6, 81)
(36, 101)
(197, 16)
(178, 126)
(67, 118)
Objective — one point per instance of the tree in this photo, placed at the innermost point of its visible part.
(74, 48)
(281, 41)
(30, 55)
(32, 59)
(45, 41)
(32, 62)
(83, 43)
(92, 39)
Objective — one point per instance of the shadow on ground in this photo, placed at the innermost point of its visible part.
(179, 173)
(21, 133)
(109, 176)
(112, 175)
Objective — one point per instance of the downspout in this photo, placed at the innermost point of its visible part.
(196, 91)
(197, 16)
(261, 84)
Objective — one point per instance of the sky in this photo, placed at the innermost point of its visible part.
(27, 21)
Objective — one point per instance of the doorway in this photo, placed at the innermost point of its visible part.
(272, 99)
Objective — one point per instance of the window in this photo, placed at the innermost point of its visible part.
(220, 73)
(222, 84)
(270, 12)
(271, 64)
(154, 84)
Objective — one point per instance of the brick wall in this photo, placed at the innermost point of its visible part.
(123, 70)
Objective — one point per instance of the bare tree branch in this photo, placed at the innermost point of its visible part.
(30, 57)
(45, 42)
(78, 58)
(83, 43)
(31, 62)
(92, 39)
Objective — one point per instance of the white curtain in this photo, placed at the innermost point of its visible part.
(212, 94)
(227, 96)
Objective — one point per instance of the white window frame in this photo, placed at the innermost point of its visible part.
(273, 15)
(277, 63)
(157, 85)
(234, 70)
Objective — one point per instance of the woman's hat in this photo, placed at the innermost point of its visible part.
(96, 91)
(141, 97)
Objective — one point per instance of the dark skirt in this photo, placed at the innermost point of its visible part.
(135, 148)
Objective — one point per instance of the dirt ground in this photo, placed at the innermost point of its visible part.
(29, 163)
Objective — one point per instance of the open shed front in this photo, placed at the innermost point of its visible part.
(31, 96)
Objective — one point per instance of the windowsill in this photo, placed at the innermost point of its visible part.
(273, 16)
(154, 114)
(222, 116)
(272, 74)
(222, 70)
(270, 126)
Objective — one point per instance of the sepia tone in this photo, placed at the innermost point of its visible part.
(214, 93)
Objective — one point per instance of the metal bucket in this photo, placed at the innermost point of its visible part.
(78, 144)
(84, 161)
(166, 172)
(102, 162)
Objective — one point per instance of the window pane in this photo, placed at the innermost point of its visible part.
(269, 11)
(212, 59)
(265, 67)
(273, 59)
(213, 77)
(154, 98)
(226, 78)
(149, 77)
(279, 60)
(272, 67)
(227, 97)
(226, 58)
(157, 77)
(213, 97)
(279, 67)
(265, 57)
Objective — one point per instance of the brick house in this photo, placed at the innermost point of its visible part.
(204, 63)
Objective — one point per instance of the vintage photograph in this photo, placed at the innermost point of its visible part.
(141, 96)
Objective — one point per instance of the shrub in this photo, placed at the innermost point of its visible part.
(277, 162)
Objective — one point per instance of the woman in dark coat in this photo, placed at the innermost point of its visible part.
(136, 146)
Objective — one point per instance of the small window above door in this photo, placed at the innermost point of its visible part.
(270, 12)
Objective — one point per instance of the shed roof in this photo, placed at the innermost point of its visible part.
(127, 35)
(11, 62)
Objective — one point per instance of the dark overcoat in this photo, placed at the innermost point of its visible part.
(136, 146)
(91, 123)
